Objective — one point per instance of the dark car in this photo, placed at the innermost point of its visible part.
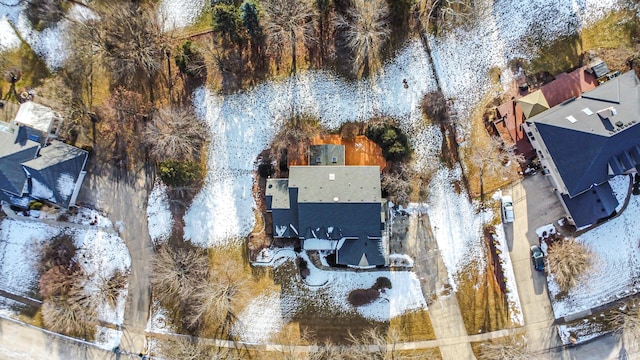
(537, 257)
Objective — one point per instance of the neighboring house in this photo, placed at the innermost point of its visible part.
(33, 167)
(583, 142)
(331, 207)
(512, 114)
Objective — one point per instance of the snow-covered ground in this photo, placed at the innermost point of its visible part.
(242, 125)
(616, 260)
(329, 290)
(100, 253)
(160, 219)
(456, 223)
(50, 44)
(503, 30)
(515, 308)
(180, 13)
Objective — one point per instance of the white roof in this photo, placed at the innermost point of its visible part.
(36, 116)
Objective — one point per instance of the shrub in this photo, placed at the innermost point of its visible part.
(179, 173)
(394, 143)
(189, 60)
(113, 286)
(35, 205)
(359, 297)
(568, 260)
(382, 283)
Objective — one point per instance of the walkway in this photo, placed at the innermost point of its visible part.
(64, 224)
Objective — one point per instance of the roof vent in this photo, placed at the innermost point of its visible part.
(619, 123)
(335, 199)
(332, 176)
(571, 119)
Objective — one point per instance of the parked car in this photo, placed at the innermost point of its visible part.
(507, 209)
(537, 256)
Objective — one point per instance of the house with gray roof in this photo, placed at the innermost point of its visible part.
(583, 142)
(334, 208)
(32, 169)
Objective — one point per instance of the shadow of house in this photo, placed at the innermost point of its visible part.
(332, 208)
(583, 142)
(34, 168)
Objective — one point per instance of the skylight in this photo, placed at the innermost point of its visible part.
(587, 111)
(571, 119)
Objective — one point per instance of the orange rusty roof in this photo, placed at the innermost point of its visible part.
(358, 151)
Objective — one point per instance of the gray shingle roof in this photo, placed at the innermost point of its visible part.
(592, 205)
(584, 136)
(15, 148)
(339, 184)
(360, 251)
(58, 168)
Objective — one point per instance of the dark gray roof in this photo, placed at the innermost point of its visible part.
(337, 184)
(361, 251)
(326, 154)
(350, 219)
(15, 148)
(585, 135)
(57, 168)
(597, 203)
(277, 193)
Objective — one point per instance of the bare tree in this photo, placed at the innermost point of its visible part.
(444, 13)
(396, 183)
(192, 348)
(512, 347)
(132, 42)
(568, 260)
(626, 323)
(177, 273)
(111, 288)
(494, 159)
(374, 344)
(175, 134)
(365, 27)
(287, 22)
(72, 314)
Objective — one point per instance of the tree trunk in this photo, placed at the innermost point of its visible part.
(293, 51)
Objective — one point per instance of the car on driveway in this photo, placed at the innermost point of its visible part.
(507, 209)
(537, 256)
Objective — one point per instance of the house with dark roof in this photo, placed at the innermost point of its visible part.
(331, 207)
(583, 142)
(33, 167)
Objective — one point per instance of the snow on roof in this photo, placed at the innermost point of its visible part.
(616, 268)
(41, 191)
(36, 116)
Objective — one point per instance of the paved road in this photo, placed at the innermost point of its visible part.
(124, 198)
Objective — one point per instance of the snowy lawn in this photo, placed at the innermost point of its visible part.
(243, 124)
(50, 44)
(616, 261)
(456, 223)
(159, 217)
(328, 290)
(100, 253)
(180, 13)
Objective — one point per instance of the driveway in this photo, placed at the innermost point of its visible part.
(535, 204)
(123, 198)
